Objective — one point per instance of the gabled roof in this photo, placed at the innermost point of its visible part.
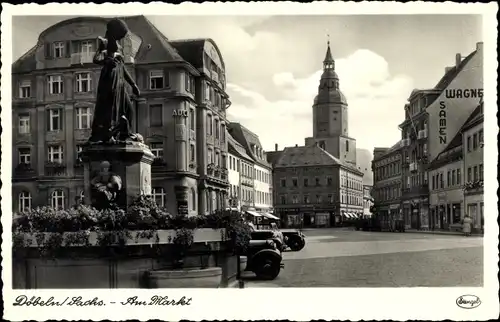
(453, 72)
(191, 50)
(446, 156)
(247, 138)
(477, 118)
(155, 47)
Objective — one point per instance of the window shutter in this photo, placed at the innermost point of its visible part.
(67, 49)
(48, 50)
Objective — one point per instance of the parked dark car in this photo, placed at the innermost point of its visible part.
(264, 259)
(285, 239)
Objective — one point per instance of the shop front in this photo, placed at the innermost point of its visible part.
(474, 204)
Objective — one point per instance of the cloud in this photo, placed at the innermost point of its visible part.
(375, 99)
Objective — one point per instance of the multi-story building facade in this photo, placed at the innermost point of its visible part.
(314, 189)
(241, 183)
(433, 118)
(261, 170)
(387, 165)
(456, 178)
(181, 113)
(473, 168)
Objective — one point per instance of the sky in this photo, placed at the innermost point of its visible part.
(273, 65)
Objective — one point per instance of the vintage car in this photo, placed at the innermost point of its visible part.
(264, 259)
(287, 239)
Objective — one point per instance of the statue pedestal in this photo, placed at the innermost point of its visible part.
(131, 162)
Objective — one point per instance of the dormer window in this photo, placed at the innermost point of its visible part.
(58, 49)
(156, 79)
(25, 89)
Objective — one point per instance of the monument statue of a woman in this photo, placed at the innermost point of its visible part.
(105, 186)
(113, 108)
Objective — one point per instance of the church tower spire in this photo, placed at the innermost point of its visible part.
(328, 63)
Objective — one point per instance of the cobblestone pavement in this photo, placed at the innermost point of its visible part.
(374, 259)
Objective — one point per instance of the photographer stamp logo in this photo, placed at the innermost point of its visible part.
(468, 301)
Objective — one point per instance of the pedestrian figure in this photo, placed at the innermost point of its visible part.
(466, 225)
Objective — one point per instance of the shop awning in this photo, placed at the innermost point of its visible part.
(347, 215)
(355, 215)
(268, 215)
(253, 213)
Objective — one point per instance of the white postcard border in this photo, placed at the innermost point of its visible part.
(269, 303)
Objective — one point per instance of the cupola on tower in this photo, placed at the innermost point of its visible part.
(330, 115)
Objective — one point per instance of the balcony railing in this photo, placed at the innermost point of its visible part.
(422, 134)
(82, 58)
(406, 142)
(413, 166)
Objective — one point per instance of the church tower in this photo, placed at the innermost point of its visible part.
(330, 115)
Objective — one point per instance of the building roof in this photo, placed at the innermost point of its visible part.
(476, 119)
(234, 148)
(155, 47)
(192, 50)
(450, 153)
(453, 72)
(273, 156)
(386, 151)
(247, 139)
(311, 155)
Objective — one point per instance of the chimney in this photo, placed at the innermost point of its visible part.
(275, 146)
(458, 59)
(479, 46)
(296, 145)
(447, 69)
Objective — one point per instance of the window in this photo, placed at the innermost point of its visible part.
(192, 153)
(159, 196)
(192, 119)
(481, 172)
(24, 155)
(474, 141)
(24, 201)
(433, 182)
(58, 49)
(480, 138)
(24, 123)
(459, 177)
(283, 199)
(156, 79)
(87, 48)
(330, 198)
(55, 120)
(156, 114)
(55, 153)
(441, 180)
(475, 173)
(56, 85)
(217, 159)
(306, 199)
(25, 89)
(157, 149)
(190, 85)
(209, 155)
(449, 179)
(469, 146)
(217, 130)
(318, 198)
(283, 182)
(83, 117)
(306, 182)
(294, 182)
(453, 177)
(210, 126)
(295, 199)
(322, 144)
(57, 199)
(223, 133)
(83, 83)
(469, 174)
(317, 181)
(347, 146)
